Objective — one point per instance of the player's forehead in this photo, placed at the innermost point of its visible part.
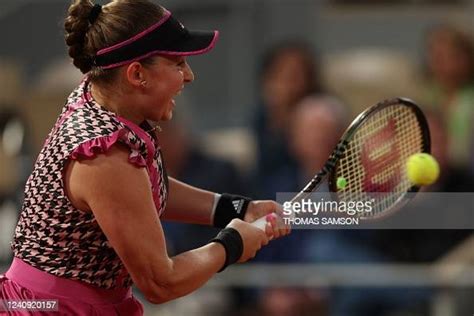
(171, 58)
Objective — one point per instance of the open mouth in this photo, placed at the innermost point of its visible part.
(177, 94)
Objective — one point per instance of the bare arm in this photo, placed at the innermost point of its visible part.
(120, 197)
(188, 204)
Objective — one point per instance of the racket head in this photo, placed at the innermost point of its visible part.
(372, 153)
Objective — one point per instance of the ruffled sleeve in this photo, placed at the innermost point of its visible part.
(95, 146)
(143, 153)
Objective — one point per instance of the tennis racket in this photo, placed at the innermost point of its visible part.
(371, 157)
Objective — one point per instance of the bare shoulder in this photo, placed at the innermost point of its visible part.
(108, 175)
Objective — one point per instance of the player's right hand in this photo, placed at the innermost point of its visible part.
(253, 238)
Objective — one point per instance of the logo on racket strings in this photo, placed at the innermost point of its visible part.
(380, 156)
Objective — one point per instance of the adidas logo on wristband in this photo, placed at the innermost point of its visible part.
(238, 205)
(230, 206)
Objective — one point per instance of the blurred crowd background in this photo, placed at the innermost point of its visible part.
(266, 109)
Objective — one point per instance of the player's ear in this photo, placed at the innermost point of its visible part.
(135, 74)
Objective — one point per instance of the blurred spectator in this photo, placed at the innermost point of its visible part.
(430, 245)
(15, 152)
(186, 162)
(289, 72)
(450, 66)
(25, 120)
(15, 161)
(315, 127)
(452, 177)
(412, 246)
(363, 76)
(15, 166)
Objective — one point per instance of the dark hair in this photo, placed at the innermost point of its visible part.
(462, 40)
(117, 21)
(308, 56)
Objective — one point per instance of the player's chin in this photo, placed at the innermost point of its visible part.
(168, 115)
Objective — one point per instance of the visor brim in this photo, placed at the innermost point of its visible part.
(197, 43)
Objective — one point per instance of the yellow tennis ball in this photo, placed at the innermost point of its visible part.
(422, 169)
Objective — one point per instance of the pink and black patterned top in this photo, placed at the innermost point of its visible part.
(52, 235)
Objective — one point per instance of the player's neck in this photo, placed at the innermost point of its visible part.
(115, 102)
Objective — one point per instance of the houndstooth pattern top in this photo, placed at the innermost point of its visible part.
(52, 235)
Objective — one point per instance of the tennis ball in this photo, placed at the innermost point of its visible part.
(422, 169)
(341, 183)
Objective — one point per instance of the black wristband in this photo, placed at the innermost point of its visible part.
(228, 207)
(233, 245)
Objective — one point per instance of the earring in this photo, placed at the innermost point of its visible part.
(143, 83)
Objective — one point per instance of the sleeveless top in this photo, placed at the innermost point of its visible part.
(54, 236)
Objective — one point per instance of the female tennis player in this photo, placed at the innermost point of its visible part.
(90, 222)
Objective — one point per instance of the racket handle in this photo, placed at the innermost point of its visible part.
(261, 222)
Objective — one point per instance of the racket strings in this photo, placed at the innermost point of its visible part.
(375, 158)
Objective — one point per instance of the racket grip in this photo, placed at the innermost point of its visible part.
(260, 223)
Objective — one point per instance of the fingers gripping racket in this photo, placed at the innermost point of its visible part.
(371, 157)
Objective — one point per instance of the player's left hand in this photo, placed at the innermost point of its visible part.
(258, 209)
